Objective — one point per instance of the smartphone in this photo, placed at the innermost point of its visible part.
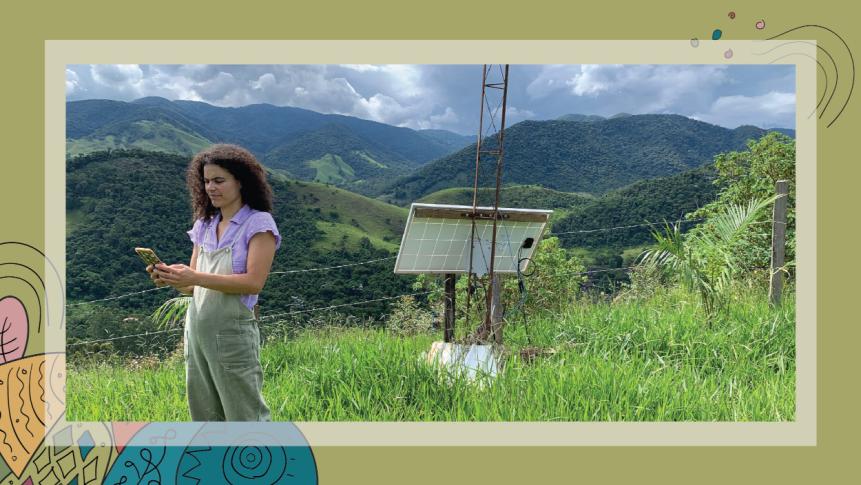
(148, 256)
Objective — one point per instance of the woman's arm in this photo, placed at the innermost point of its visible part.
(261, 252)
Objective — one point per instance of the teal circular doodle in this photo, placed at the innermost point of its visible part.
(196, 453)
(716, 34)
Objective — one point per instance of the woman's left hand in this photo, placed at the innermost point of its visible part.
(177, 275)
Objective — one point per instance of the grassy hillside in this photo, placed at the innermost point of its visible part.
(349, 217)
(144, 134)
(335, 154)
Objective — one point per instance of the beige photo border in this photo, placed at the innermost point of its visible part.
(802, 431)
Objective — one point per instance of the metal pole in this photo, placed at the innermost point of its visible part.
(475, 192)
(448, 331)
(492, 318)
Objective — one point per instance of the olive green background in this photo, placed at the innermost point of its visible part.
(22, 202)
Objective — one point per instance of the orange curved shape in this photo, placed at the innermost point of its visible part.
(31, 400)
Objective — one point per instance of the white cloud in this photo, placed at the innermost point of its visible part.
(448, 117)
(593, 79)
(773, 109)
(633, 88)
(118, 81)
(116, 74)
(219, 88)
(362, 67)
(72, 82)
(550, 79)
(514, 114)
(433, 96)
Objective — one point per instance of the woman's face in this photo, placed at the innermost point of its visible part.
(221, 186)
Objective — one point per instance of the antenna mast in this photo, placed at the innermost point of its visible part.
(495, 79)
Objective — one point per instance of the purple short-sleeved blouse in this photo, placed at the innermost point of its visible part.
(204, 233)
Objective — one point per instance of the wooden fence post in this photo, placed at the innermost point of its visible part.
(778, 242)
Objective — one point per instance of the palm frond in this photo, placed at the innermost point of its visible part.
(706, 260)
(171, 312)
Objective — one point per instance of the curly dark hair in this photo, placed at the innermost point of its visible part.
(255, 189)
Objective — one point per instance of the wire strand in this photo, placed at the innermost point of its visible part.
(123, 337)
(259, 319)
(296, 312)
(586, 231)
(327, 268)
(118, 296)
(331, 267)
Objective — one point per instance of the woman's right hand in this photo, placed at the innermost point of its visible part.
(154, 276)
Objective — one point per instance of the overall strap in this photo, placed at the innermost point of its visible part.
(206, 232)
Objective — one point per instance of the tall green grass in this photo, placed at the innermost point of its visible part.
(637, 360)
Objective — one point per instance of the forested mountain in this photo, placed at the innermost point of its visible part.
(449, 139)
(581, 117)
(647, 201)
(119, 200)
(573, 156)
(272, 133)
(335, 154)
(654, 200)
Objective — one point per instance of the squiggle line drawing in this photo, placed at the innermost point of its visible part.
(851, 58)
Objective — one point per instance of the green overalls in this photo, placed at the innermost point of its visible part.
(222, 349)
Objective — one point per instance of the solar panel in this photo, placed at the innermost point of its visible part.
(437, 239)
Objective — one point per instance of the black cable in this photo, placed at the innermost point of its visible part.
(524, 294)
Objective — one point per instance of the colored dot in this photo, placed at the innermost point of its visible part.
(728, 54)
(695, 42)
(732, 15)
(716, 34)
(760, 24)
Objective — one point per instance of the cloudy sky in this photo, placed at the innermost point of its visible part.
(448, 96)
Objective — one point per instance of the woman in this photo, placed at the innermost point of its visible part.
(235, 239)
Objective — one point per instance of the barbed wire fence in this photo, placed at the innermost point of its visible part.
(286, 316)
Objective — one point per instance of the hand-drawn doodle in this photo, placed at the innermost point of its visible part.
(39, 446)
(181, 453)
(827, 42)
(13, 330)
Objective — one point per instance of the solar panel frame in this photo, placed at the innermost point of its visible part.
(436, 239)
